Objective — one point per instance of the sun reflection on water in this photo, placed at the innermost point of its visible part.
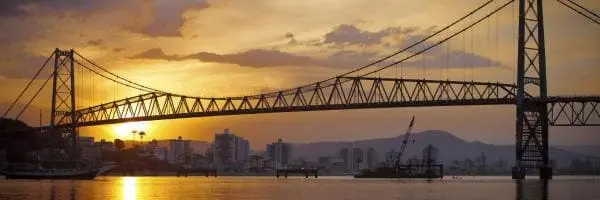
(129, 188)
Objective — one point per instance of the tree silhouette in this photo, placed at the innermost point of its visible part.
(119, 144)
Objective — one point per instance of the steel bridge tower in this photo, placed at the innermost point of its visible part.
(532, 117)
(63, 97)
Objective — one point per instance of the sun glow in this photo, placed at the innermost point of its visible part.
(125, 130)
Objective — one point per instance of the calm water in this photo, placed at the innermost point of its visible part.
(268, 188)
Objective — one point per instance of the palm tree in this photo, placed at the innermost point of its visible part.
(133, 132)
(142, 133)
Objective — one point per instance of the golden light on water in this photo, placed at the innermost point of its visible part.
(124, 131)
(129, 188)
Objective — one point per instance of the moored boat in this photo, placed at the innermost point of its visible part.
(37, 171)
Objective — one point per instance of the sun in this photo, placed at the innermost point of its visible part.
(125, 130)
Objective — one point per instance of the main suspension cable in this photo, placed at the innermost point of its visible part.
(113, 80)
(39, 90)
(579, 12)
(587, 10)
(444, 40)
(148, 89)
(28, 85)
(115, 75)
(386, 57)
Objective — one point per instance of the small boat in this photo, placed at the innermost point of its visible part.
(36, 171)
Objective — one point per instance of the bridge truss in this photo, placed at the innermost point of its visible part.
(341, 93)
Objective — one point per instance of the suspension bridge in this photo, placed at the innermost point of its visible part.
(362, 88)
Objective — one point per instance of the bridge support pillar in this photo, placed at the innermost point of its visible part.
(518, 173)
(546, 173)
(532, 116)
(63, 98)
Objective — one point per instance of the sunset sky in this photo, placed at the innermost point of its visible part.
(238, 47)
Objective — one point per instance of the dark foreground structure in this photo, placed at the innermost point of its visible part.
(405, 171)
(206, 171)
(306, 172)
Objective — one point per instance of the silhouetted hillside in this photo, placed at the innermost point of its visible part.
(17, 144)
(451, 148)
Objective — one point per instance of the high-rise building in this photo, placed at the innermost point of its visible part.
(156, 151)
(280, 153)
(229, 148)
(177, 149)
(371, 158)
(430, 154)
(346, 158)
(242, 149)
(357, 158)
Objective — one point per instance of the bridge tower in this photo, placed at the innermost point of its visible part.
(63, 96)
(532, 117)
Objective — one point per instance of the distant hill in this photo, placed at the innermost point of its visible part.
(590, 150)
(451, 148)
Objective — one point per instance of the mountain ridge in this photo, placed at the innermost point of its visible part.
(451, 148)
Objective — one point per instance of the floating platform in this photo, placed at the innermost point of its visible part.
(304, 171)
(404, 171)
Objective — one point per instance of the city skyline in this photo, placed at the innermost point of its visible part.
(320, 44)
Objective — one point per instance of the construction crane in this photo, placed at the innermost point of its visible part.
(404, 143)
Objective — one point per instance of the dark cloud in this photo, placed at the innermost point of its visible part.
(22, 65)
(350, 34)
(289, 35)
(256, 58)
(266, 58)
(12, 8)
(454, 59)
(168, 19)
(155, 53)
(97, 42)
(261, 58)
(117, 50)
(340, 57)
(292, 40)
(18, 7)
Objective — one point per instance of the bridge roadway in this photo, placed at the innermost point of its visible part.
(340, 94)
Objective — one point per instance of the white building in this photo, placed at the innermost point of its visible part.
(371, 159)
(156, 151)
(177, 150)
(280, 152)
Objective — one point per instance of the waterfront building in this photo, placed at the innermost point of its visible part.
(229, 148)
(280, 152)
(178, 149)
(156, 151)
(358, 158)
(104, 145)
(85, 141)
(242, 149)
(371, 158)
(87, 148)
(346, 158)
